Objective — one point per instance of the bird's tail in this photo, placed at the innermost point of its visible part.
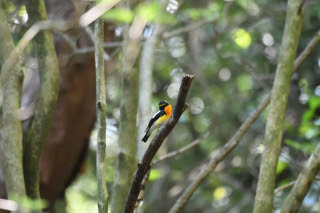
(145, 138)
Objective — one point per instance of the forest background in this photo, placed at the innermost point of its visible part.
(81, 79)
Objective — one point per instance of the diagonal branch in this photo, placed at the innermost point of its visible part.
(188, 28)
(96, 11)
(303, 183)
(181, 150)
(234, 141)
(145, 163)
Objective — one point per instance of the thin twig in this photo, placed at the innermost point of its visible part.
(188, 28)
(25, 40)
(76, 50)
(285, 186)
(101, 117)
(53, 25)
(288, 185)
(145, 163)
(90, 33)
(181, 150)
(303, 183)
(234, 141)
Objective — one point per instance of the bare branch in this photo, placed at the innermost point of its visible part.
(25, 40)
(53, 25)
(76, 50)
(285, 186)
(96, 11)
(145, 163)
(92, 37)
(303, 183)
(188, 28)
(101, 117)
(307, 51)
(181, 150)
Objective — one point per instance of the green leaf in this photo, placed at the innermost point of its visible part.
(30, 204)
(306, 147)
(220, 193)
(244, 82)
(193, 13)
(281, 166)
(242, 38)
(309, 130)
(154, 12)
(155, 174)
(307, 115)
(119, 15)
(314, 102)
(149, 11)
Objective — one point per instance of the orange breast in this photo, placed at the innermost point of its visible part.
(168, 110)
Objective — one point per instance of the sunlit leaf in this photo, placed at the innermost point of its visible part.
(22, 11)
(281, 166)
(119, 15)
(242, 38)
(149, 11)
(30, 204)
(314, 102)
(307, 116)
(220, 193)
(155, 174)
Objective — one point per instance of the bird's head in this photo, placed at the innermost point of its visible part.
(163, 105)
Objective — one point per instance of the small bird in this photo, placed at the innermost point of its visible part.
(158, 119)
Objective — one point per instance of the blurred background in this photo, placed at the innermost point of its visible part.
(232, 47)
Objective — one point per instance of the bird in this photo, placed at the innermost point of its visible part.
(164, 113)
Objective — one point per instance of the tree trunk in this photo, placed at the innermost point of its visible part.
(278, 104)
(145, 87)
(126, 160)
(11, 129)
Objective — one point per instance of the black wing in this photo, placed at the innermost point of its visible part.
(154, 118)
